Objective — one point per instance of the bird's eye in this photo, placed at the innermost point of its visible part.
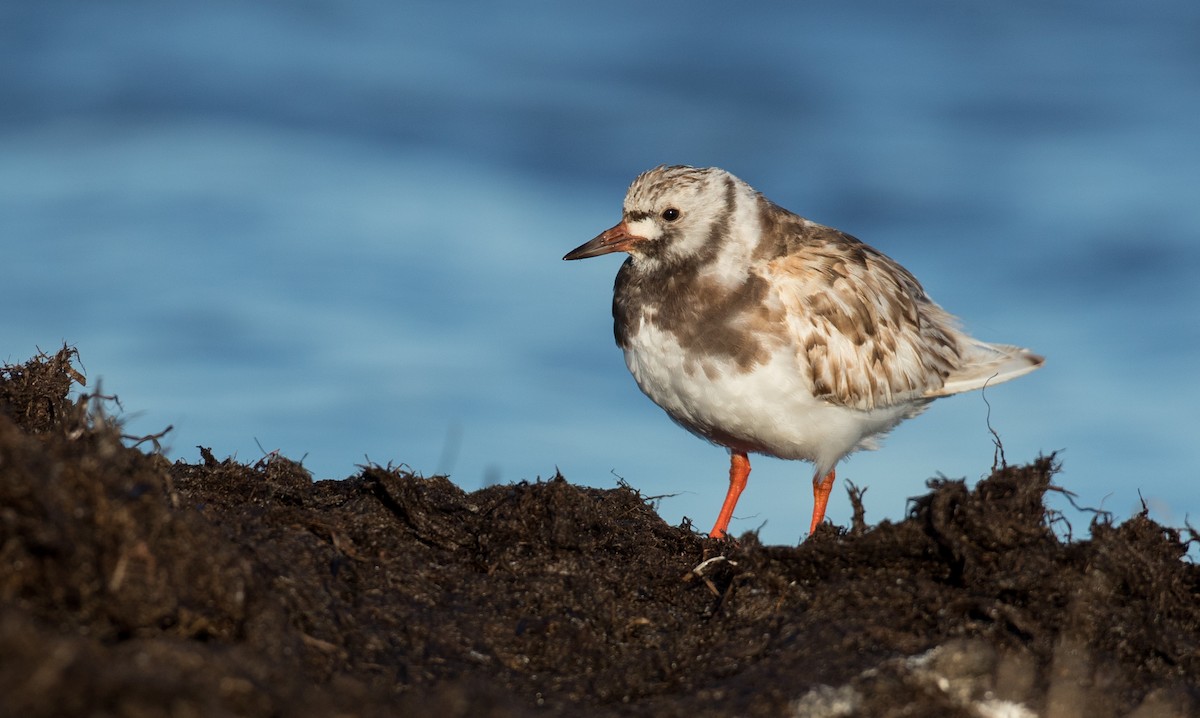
(670, 214)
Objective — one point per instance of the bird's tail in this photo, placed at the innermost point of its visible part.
(987, 364)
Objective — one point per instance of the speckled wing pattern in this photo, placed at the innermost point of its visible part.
(867, 332)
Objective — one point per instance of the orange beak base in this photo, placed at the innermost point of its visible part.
(617, 239)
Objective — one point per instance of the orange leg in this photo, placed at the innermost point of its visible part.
(821, 490)
(739, 471)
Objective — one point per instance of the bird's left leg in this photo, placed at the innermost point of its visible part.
(821, 490)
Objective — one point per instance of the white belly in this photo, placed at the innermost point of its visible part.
(768, 409)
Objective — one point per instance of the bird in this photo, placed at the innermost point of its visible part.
(766, 333)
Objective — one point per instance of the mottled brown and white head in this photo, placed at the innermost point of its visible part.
(677, 215)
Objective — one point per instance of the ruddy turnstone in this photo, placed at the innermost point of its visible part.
(763, 332)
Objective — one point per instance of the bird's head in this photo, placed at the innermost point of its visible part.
(671, 215)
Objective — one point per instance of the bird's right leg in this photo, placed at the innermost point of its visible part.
(739, 471)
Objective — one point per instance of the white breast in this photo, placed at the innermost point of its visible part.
(768, 409)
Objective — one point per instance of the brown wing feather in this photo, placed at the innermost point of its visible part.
(866, 330)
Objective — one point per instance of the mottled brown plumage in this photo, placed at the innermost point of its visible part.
(764, 332)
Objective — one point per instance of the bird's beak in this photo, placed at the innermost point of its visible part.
(617, 239)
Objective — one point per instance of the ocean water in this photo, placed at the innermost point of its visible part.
(335, 230)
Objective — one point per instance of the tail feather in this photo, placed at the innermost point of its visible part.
(988, 364)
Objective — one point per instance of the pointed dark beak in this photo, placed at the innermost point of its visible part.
(617, 239)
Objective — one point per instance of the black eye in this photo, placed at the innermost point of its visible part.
(670, 214)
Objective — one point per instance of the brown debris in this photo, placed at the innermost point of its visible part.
(131, 586)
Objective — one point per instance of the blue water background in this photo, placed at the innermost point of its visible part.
(335, 229)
